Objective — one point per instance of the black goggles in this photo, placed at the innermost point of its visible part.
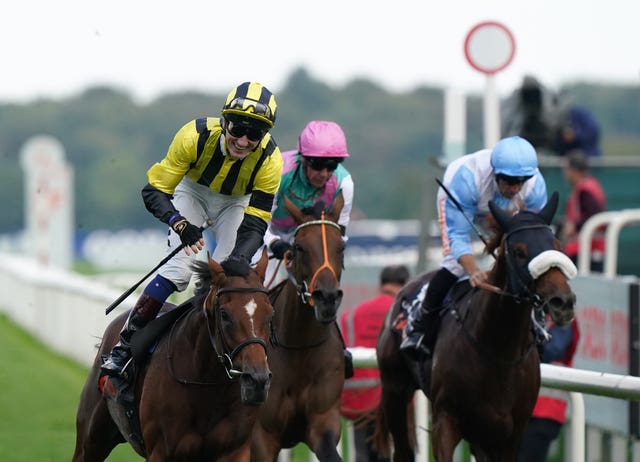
(250, 105)
(320, 163)
(252, 132)
(512, 180)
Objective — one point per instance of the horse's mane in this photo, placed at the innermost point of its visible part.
(495, 231)
(495, 234)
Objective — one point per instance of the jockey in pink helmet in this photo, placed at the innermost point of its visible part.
(321, 138)
(313, 177)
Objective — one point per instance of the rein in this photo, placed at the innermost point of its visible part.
(519, 281)
(481, 348)
(225, 358)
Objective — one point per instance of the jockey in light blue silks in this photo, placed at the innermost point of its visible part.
(507, 174)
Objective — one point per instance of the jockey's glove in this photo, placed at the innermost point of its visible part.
(279, 247)
(236, 265)
(189, 233)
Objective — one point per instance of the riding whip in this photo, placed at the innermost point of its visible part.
(130, 290)
(459, 207)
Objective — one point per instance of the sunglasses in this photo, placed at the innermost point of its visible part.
(252, 133)
(320, 163)
(512, 180)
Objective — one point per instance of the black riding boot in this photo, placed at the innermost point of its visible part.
(421, 334)
(115, 364)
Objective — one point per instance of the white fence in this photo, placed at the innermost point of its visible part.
(66, 312)
(615, 221)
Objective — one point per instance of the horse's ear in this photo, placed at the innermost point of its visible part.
(261, 267)
(294, 211)
(549, 210)
(502, 217)
(215, 269)
(334, 214)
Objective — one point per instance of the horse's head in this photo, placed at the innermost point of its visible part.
(238, 317)
(536, 269)
(317, 258)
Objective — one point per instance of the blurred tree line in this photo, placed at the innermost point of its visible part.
(111, 140)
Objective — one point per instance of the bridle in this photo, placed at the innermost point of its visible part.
(223, 352)
(304, 289)
(520, 279)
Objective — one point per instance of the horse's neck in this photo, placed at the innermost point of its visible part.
(195, 337)
(498, 321)
(295, 318)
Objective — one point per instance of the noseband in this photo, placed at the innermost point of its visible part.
(304, 289)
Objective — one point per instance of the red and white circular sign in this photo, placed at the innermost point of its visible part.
(489, 47)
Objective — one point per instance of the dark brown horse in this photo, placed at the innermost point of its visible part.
(484, 378)
(198, 395)
(306, 350)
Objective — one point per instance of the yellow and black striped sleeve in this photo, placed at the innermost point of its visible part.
(182, 153)
(266, 183)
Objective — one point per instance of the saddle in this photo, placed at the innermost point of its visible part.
(412, 303)
(143, 343)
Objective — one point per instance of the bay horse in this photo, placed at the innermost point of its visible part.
(198, 394)
(484, 377)
(306, 352)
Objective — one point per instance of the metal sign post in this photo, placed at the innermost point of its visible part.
(489, 48)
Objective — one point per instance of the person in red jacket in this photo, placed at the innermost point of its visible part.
(360, 327)
(549, 413)
(586, 199)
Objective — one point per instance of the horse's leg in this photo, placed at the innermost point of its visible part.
(396, 394)
(264, 446)
(393, 417)
(96, 433)
(324, 435)
(241, 454)
(445, 436)
(398, 415)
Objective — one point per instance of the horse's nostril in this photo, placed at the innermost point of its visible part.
(327, 295)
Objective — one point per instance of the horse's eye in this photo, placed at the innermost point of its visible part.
(297, 248)
(224, 316)
(520, 253)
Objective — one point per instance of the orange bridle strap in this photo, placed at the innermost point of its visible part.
(325, 252)
(325, 265)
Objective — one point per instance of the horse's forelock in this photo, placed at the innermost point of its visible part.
(494, 242)
(202, 277)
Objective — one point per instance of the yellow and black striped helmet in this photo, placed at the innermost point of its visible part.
(252, 99)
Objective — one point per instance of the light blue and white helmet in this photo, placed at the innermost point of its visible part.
(514, 156)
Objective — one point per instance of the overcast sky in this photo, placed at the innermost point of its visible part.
(59, 48)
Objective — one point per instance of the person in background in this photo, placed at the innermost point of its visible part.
(578, 129)
(507, 174)
(360, 328)
(226, 170)
(586, 199)
(549, 413)
(313, 177)
(531, 113)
